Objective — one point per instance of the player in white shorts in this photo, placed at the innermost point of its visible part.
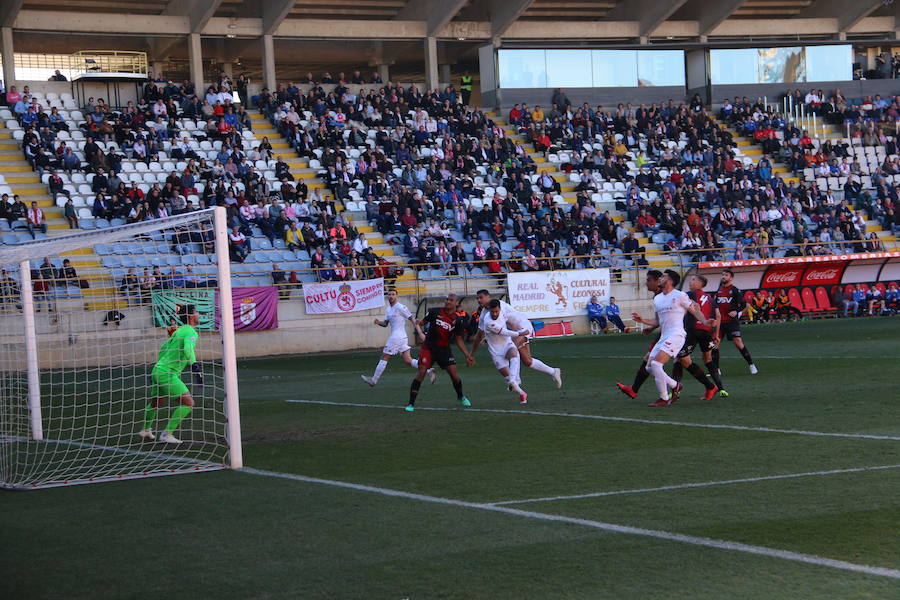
(670, 306)
(518, 322)
(493, 328)
(396, 317)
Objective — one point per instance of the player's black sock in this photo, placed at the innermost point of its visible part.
(746, 354)
(715, 357)
(714, 373)
(414, 390)
(640, 377)
(700, 376)
(457, 385)
(677, 371)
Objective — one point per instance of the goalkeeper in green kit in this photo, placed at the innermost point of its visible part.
(175, 354)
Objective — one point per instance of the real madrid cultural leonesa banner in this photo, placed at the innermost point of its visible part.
(549, 294)
(343, 296)
(254, 308)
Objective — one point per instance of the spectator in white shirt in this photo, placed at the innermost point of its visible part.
(160, 109)
(360, 244)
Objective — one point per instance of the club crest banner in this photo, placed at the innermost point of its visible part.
(549, 294)
(343, 296)
(254, 308)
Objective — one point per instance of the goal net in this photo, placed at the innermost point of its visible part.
(82, 323)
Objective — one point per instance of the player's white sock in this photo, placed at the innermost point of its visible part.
(415, 363)
(515, 368)
(514, 384)
(663, 381)
(538, 365)
(379, 369)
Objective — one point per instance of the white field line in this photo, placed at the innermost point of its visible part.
(688, 486)
(755, 356)
(537, 413)
(611, 527)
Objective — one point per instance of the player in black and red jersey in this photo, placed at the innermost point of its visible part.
(653, 286)
(442, 326)
(699, 334)
(730, 302)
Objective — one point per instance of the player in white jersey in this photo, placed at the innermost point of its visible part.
(520, 323)
(396, 317)
(493, 328)
(670, 306)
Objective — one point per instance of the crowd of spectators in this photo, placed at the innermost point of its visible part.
(445, 183)
(440, 179)
(861, 166)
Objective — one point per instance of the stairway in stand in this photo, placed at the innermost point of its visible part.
(750, 148)
(655, 255)
(262, 127)
(25, 182)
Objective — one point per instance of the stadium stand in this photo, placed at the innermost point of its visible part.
(390, 171)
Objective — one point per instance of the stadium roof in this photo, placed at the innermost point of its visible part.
(392, 31)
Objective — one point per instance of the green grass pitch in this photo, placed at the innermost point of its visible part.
(229, 534)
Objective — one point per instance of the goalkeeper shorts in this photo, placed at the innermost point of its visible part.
(167, 385)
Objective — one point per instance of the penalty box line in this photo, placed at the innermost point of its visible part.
(538, 413)
(600, 525)
(705, 484)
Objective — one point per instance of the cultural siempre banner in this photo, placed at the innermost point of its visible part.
(343, 296)
(165, 305)
(549, 294)
(254, 308)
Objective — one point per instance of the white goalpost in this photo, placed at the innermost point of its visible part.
(82, 320)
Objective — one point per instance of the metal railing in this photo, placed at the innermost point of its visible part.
(461, 277)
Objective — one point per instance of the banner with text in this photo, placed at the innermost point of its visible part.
(253, 308)
(549, 294)
(343, 296)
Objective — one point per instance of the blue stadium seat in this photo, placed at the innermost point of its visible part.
(110, 262)
(10, 238)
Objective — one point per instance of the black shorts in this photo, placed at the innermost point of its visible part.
(696, 337)
(730, 330)
(441, 356)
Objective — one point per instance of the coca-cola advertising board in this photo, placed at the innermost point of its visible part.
(828, 275)
(778, 278)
